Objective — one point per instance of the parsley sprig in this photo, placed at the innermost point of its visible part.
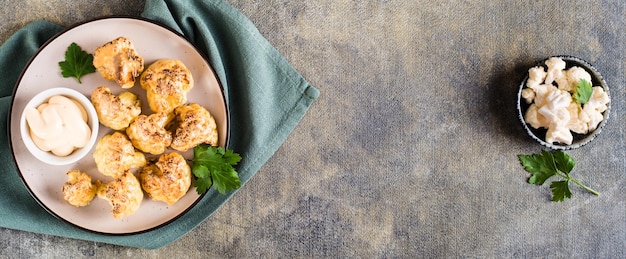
(583, 91)
(213, 166)
(77, 62)
(546, 164)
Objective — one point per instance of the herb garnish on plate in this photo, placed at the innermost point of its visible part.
(77, 62)
(213, 166)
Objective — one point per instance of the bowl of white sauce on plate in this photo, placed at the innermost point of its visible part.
(59, 126)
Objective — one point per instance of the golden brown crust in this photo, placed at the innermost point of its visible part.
(166, 83)
(196, 125)
(115, 112)
(124, 194)
(115, 154)
(78, 190)
(118, 60)
(148, 133)
(168, 179)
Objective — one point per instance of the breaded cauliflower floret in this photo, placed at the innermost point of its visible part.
(168, 179)
(148, 133)
(115, 154)
(124, 194)
(166, 83)
(118, 60)
(115, 112)
(78, 190)
(195, 126)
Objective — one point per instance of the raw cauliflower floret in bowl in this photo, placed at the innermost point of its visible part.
(549, 110)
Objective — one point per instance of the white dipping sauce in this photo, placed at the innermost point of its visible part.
(59, 126)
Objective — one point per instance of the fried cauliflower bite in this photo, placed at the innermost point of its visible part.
(78, 190)
(118, 60)
(148, 133)
(168, 179)
(166, 83)
(115, 154)
(115, 112)
(123, 193)
(195, 126)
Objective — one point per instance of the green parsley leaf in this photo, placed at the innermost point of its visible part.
(541, 166)
(214, 166)
(202, 184)
(226, 180)
(564, 162)
(77, 63)
(200, 171)
(546, 164)
(231, 157)
(560, 191)
(583, 91)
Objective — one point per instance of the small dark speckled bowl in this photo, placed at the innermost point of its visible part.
(579, 139)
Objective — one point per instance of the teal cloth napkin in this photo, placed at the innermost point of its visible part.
(266, 97)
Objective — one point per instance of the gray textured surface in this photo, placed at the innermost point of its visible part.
(411, 148)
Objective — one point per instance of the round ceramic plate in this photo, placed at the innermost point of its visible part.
(152, 41)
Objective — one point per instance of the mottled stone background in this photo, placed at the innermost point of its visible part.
(410, 151)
